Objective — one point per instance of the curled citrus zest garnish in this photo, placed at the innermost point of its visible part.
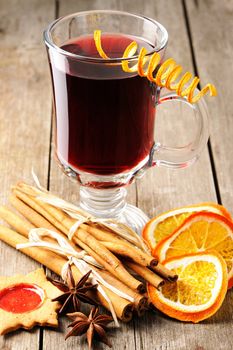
(129, 52)
(153, 64)
(97, 39)
(164, 70)
(173, 77)
(167, 74)
(183, 81)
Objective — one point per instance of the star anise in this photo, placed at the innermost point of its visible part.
(94, 326)
(74, 293)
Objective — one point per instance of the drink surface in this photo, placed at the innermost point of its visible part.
(104, 125)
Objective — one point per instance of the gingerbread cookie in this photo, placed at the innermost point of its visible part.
(26, 301)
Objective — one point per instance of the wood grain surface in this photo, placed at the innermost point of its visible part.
(25, 109)
(200, 38)
(216, 39)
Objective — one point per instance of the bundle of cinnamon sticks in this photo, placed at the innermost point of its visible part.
(120, 259)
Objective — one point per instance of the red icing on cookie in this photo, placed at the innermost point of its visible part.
(21, 298)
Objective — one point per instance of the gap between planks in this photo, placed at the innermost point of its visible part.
(194, 62)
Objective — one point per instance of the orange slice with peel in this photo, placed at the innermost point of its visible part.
(166, 223)
(199, 291)
(200, 232)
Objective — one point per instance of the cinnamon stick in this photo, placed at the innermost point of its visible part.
(109, 261)
(127, 250)
(54, 262)
(23, 226)
(30, 214)
(36, 205)
(122, 248)
(146, 274)
(57, 218)
(165, 273)
(20, 225)
(104, 235)
(140, 300)
(68, 222)
(54, 212)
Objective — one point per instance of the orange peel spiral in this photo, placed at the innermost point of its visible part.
(97, 39)
(168, 73)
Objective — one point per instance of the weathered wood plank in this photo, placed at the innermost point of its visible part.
(59, 183)
(212, 34)
(159, 190)
(169, 188)
(24, 127)
(176, 189)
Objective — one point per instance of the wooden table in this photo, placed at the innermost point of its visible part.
(201, 39)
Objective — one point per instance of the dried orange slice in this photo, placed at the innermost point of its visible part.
(199, 291)
(163, 225)
(200, 232)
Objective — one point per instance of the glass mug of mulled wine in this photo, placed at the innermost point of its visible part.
(104, 116)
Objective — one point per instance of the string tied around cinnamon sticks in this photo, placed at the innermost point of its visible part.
(80, 259)
(82, 216)
(62, 247)
(84, 220)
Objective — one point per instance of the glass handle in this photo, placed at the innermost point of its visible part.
(180, 157)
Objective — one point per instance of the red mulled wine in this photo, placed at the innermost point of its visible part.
(104, 116)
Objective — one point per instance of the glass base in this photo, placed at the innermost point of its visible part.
(111, 203)
(134, 217)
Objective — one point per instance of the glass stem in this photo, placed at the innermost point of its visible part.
(105, 203)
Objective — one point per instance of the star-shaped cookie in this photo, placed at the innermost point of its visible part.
(26, 301)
